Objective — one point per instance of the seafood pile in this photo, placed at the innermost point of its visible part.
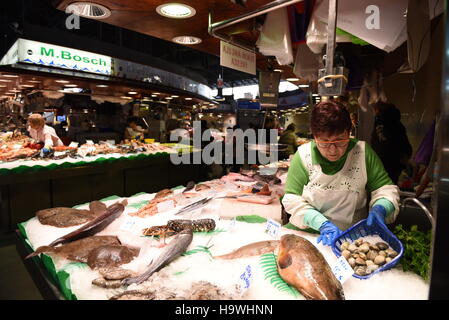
(151, 208)
(175, 226)
(365, 257)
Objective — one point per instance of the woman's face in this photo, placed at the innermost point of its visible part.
(332, 147)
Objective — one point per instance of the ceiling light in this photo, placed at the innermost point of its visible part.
(278, 70)
(303, 86)
(175, 96)
(154, 96)
(27, 85)
(175, 10)
(2, 86)
(132, 92)
(62, 81)
(156, 93)
(189, 40)
(4, 80)
(188, 98)
(168, 98)
(35, 81)
(102, 86)
(9, 93)
(88, 10)
(71, 85)
(124, 97)
(292, 79)
(14, 90)
(10, 75)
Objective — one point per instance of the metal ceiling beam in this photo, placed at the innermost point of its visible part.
(214, 27)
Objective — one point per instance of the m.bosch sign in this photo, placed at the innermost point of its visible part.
(61, 57)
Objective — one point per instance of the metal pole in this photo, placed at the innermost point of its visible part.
(331, 25)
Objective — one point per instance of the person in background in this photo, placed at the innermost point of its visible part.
(133, 131)
(389, 139)
(40, 132)
(329, 178)
(290, 139)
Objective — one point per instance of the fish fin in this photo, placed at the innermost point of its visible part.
(40, 250)
(285, 261)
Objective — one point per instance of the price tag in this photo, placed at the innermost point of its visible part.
(268, 171)
(273, 228)
(89, 142)
(111, 142)
(165, 206)
(246, 278)
(129, 224)
(342, 270)
(73, 144)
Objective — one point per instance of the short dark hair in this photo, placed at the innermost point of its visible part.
(330, 118)
(291, 127)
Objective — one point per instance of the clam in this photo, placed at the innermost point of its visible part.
(372, 254)
(358, 242)
(371, 268)
(355, 255)
(362, 255)
(360, 261)
(351, 262)
(346, 254)
(388, 259)
(361, 271)
(369, 262)
(374, 247)
(344, 246)
(379, 260)
(391, 253)
(352, 247)
(364, 248)
(382, 245)
(383, 253)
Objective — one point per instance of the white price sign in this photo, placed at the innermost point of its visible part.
(268, 171)
(342, 270)
(129, 224)
(73, 144)
(89, 142)
(273, 228)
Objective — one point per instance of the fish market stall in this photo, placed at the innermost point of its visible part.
(177, 244)
(90, 172)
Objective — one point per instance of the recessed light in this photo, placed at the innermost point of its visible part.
(88, 10)
(189, 40)
(315, 95)
(62, 81)
(278, 70)
(188, 98)
(124, 97)
(71, 85)
(132, 92)
(102, 86)
(303, 86)
(10, 75)
(292, 79)
(175, 96)
(169, 98)
(175, 10)
(154, 95)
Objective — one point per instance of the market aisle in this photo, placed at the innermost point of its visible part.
(15, 282)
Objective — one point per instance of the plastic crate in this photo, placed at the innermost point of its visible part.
(361, 229)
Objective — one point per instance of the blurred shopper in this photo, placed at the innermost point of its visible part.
(290, 139)
(389, 139)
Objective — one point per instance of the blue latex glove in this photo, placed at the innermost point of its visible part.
(378, 214)
(45, 150)
(328, 233)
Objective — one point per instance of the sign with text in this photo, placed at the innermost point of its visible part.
(61, 57)
(236, 58)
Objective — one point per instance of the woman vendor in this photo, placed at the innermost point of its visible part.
(40, 132)
(329, 178)
(134, 131)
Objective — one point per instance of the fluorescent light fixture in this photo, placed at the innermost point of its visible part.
(4, 80)
(292, 79)
(175, 10)
(303, 86)
(132, 92)
(188, 98)
(315, 95)
(9, 93)
(35, 81)
(10, 75)
(71, 85)
(124, 97)
(88, 10)
(102, 86)
(154, 95)
(27, 85)
(175, 96)
(2, 86)
(62, 81)
(189, 40)
(14, 90)
(169, 98)
(278, 70)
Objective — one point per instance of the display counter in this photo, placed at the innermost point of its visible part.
(198, 273)
(28, 186)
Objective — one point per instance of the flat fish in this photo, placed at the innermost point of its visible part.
(134, 295)
(252, 249)
(89, 229)
(63, 217)
(301, 265)
(97, 208)
(80, 249)
(111, 256)
(174, 249)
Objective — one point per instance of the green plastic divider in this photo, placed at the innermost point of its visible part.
(251, 219)
(21, 226)
(64, 284)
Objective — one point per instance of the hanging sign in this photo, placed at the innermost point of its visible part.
(62, 57)
(236, 58)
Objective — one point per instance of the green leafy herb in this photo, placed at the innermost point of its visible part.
(416, 250)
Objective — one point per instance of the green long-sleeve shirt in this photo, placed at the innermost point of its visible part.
(298, 177)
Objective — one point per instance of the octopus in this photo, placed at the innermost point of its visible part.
(62, 217)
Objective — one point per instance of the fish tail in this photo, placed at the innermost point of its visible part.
(40, 250)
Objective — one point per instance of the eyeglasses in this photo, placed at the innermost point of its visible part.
(327, 144)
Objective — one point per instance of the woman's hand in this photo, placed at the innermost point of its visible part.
(328, 233)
